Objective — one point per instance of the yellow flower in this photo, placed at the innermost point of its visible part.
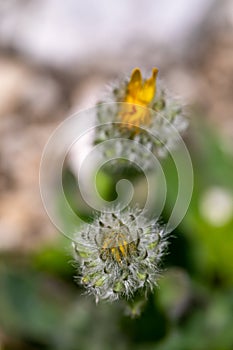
(141, 92)
(138, 93)
(142, 110)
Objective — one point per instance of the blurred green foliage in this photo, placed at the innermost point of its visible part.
(41, 307)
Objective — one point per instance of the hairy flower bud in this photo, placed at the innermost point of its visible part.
(144, 112)
(119, 253)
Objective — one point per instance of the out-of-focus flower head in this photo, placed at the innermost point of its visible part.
(119, 254)
(143, 111)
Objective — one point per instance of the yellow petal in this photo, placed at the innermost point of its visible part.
(148, 89)
(133, 116)
(136, 76)
(141, 93)
(134, 86)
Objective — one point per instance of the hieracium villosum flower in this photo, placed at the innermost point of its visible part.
(144, 112)
(138, 93)
(119, 254)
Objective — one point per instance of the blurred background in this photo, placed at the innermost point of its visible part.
(55, 58)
